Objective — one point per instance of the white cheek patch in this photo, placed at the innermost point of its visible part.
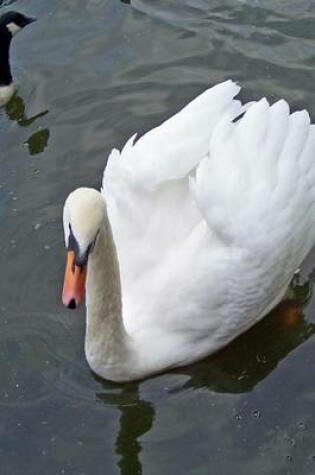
(6, 92)
(13, 28)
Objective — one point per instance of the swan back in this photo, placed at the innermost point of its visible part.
(209, 232)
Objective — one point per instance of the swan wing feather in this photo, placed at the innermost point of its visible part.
(210, 230)
(255, 188)
(146, 185)
(171, 150)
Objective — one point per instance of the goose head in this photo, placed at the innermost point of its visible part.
(83, 217)
(12, 22)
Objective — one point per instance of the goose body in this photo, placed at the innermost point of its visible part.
(10, 24)
(198, 230)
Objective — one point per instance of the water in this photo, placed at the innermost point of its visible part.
(92, 73)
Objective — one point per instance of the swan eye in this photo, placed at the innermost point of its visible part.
(91, 245)
(72, 242)
(80, 260)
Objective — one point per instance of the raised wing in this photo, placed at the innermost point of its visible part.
(146, 185)
(256, 187)
(256, 191)
(210, 230)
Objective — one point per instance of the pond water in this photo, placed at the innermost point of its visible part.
(90, 74)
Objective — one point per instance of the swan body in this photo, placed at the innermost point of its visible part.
(197, 232)
(10, 24)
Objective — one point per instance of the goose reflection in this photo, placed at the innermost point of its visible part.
(16, 111)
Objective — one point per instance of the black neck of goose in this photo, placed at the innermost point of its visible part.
(5, 70)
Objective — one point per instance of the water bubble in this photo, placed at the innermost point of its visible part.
(289, 441)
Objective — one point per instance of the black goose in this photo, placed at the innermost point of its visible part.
(10, 24)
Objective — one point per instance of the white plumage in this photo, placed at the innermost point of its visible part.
(210, 219)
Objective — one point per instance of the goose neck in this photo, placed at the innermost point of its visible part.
(5, 70)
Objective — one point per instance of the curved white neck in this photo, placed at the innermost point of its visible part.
(107, 345)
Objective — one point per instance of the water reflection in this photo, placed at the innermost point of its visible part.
(4, 3)
(16, 111)
(135, 420)
(38, 141)
(236, 369)
(254, 355)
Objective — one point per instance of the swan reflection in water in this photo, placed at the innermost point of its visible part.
(237, 369)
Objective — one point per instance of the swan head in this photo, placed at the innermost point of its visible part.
(13, 22)
(83, 216)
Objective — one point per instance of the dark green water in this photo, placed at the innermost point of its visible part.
(91, 73)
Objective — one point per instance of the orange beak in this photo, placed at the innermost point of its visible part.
(74, 283)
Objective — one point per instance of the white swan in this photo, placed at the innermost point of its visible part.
(10, 24)
(199, 228)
